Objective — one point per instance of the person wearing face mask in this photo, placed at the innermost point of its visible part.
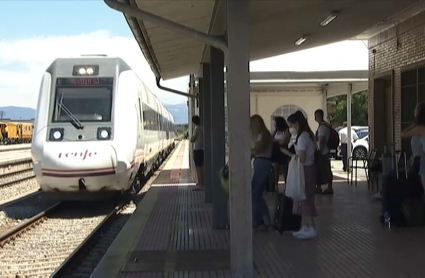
(305, 147)
(261, 150)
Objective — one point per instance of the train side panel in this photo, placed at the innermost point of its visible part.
(40, 121)
(126, 134)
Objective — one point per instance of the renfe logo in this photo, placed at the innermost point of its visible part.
(83, 155)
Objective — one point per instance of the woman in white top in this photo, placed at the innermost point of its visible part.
(282, 136)
(305, 147)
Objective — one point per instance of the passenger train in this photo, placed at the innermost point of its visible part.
(98, 128)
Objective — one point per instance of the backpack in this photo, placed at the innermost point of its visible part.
(333, 140)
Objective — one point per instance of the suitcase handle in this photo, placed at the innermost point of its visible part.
(398, 155)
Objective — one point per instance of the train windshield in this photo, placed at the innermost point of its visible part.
(86, 104)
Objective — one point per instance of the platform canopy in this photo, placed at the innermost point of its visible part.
(334, 82)
(275, 26)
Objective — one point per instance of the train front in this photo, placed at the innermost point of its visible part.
(72, 146)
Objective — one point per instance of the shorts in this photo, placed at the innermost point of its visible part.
(324, 172)
(198, 157)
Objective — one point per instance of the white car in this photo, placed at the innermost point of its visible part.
(361, 148)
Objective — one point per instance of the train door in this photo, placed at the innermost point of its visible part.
(19, 132)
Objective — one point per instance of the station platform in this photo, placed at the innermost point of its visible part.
(6, 148)
(14, 156)
(170, 235)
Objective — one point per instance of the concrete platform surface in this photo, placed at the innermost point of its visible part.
(6, 148)
(14, 155)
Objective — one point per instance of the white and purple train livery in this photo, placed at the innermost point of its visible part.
(97, 127)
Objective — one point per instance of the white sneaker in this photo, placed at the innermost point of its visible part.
(302, 230)
(309, 233)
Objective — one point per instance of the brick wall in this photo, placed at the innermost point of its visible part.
(392, 50)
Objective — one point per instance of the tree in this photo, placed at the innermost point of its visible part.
(359, 109)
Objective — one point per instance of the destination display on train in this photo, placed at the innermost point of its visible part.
(84, 81)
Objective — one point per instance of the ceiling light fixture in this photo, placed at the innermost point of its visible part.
(301, 40)
(328, 19)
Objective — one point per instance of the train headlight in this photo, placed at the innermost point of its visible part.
(56, 134)
(104, 133)
(88, 70)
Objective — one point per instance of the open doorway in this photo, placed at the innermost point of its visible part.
(383, 112)
(412, 92)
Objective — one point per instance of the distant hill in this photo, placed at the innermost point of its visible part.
(18, 113)
(179, 111)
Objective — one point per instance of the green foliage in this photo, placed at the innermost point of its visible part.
(182, 129)
(359, 109)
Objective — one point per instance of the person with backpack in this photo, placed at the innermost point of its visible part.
(326, 139)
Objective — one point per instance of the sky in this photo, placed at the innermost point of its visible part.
(34, 33)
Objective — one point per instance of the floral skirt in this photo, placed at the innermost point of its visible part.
(307, 206)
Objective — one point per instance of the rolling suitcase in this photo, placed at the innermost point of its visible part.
(402, 202)
(283, 218)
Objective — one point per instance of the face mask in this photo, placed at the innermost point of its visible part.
(293, 131)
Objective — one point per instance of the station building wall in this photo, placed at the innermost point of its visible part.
(268, 104)
(397, 80)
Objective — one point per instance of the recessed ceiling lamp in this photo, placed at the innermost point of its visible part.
(328, 19)
(301, 40)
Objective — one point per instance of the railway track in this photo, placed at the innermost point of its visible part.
(37, 246)
(66, 239)
(88, 254)
(16, 177)
(16, 180)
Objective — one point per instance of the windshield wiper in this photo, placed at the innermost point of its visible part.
(74, 121)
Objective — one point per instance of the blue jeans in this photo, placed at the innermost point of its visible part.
(259, 182)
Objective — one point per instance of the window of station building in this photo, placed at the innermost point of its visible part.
(412, 92)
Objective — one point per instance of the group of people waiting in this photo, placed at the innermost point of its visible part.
(306, 147)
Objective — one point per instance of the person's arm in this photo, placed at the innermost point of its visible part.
(287, 152)
(414, 131)
(274, 133)
(410, 127)
(321, 134)
(286, 138)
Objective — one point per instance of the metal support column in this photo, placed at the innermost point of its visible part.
(325, 104)
(200, 99)
(238, 104)
(200, 104)
(207, 124)
(219, 198)
(191, 112)
(349, 91)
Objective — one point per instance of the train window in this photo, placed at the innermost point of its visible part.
(87, 104)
